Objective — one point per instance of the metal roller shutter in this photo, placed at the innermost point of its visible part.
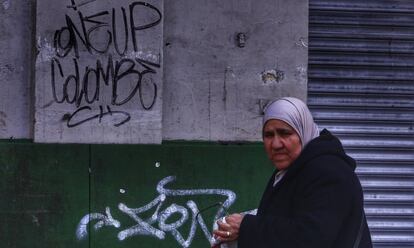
(361, 87)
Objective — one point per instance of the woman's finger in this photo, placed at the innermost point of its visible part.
(223, 226)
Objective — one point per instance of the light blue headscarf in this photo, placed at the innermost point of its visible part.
(295, 113)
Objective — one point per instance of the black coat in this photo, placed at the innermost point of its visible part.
(318, 203)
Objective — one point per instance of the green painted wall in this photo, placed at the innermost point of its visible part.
(47, 189)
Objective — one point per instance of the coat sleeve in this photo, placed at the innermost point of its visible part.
(321, 202)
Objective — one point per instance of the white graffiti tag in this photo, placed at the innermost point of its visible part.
(107, 220)
(147, 227)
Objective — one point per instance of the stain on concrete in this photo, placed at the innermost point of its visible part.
(301, 73)
(227, 71)
(6, 4)
(3, 124)
(45, 50)
(302, 42)
(7, 69)
(272, 76)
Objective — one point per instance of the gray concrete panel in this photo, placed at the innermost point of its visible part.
(99, 71)
(225, 59)
(16, 25)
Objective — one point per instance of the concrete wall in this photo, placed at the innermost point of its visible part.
(16, 45)
(223, 61)
(99, 71)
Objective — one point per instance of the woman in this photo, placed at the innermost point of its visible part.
(313, 199)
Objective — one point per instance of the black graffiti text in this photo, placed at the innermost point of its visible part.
(71, 36)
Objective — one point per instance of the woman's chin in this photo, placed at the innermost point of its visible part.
(280, 165)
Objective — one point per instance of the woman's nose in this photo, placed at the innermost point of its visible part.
(276, 142)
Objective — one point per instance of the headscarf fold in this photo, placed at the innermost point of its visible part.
(295, 113)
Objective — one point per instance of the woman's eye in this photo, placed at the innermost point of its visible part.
(268, 134)
(285, 133)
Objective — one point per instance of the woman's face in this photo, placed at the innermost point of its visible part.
(281, 142)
